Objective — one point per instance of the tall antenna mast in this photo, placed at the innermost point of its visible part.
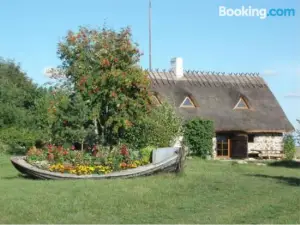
(150, 56)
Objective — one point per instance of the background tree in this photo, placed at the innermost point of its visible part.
(298, 134)
(102, 66)
(159, 128)
(18, 117)
(17, 96)
(289, 147)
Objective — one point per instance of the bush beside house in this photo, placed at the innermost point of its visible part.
(198, 136)
(289, 147)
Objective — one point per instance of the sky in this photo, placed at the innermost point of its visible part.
(191, 29)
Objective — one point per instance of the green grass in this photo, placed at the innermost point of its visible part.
(298, 152)
(208, 192)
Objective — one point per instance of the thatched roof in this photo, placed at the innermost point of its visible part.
(216, 94)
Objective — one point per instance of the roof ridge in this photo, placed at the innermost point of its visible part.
(208, 72)
(210, 78)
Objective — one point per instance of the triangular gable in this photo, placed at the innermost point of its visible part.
(241, 104)
(154, 100)
(187, 102)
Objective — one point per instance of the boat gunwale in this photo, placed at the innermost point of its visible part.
(27, 168)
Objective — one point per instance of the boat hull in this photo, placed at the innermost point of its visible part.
(170, 164)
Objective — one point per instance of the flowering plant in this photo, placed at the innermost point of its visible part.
(106, 76)
(77, 162)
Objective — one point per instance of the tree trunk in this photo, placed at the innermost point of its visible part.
(96, 127)
(82, 145)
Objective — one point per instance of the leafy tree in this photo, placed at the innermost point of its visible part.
(158, 128)
(18, 96)
(102, 67)
(289, 147)
(298, 133)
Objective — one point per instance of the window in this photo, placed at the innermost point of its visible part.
(250, 138)
(241, 104)
(187, 103)
(222, 146)
(154, 100)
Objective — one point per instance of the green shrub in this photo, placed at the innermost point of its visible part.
(289, 147)
(159, 128)
(198, 136)
(4, 148)
(19, 139)
(146, 153)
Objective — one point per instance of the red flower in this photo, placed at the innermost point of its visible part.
(124, 151)
(65, 152)
(116, 60)
(50, 157)
(94, 153)
(105, 62)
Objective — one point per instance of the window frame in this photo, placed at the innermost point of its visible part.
(222, 143)
(251, 138)
(244, 101)
(154, 97)
(187, 106)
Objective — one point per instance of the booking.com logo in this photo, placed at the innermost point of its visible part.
(262, 13)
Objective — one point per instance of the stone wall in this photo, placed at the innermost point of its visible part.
(214, 148)
(266, 144)
(270, 144)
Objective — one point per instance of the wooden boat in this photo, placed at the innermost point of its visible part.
(163, 160)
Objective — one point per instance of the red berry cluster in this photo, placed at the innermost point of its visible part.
(124, 151)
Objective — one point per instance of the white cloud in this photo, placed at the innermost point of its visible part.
(293, 95)
(46, 71)
(269, 72)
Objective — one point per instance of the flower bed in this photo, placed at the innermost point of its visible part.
(98, 161)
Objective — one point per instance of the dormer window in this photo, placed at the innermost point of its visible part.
(155, 100)
(187, 103)
(242, 104)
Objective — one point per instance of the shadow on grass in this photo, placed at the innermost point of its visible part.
(285, 163)
(294, 181)
(19, 176)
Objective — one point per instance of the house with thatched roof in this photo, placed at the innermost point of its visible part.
(248, 118)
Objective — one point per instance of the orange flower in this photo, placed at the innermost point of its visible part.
(113, 94)
(123, 165)
(128, 123)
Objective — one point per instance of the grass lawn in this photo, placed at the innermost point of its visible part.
(208, 192)
(298, 152)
